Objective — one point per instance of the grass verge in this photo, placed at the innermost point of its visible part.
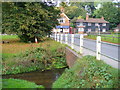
(88, 72)
(17, 83)
(106, 38)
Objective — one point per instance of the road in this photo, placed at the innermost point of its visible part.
(107, 49)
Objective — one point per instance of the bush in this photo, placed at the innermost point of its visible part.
(88, 73)
(48, 57)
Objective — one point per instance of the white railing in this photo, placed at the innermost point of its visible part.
(59, 38)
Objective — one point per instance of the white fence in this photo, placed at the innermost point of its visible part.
(59, 38)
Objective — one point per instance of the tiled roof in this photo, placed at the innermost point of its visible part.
(93, 20)
(96, 20)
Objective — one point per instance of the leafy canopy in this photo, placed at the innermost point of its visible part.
(29, 20)
(110, 12)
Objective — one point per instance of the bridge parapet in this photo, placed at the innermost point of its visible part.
(71, 57)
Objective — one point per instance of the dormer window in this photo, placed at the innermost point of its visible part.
(104, 24)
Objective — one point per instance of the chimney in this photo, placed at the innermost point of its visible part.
(102, 18)
(87, 17)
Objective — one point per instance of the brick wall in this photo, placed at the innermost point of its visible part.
(71, 57)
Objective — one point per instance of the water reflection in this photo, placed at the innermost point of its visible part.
(45, 78)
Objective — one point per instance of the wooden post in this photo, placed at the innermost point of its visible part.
(81, 43)
(66, 38)
(98, 48)
(72, 41)
(58, 37)
(55, 37)
(36, 41)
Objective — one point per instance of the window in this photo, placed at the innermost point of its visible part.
(89, 30)
(61, 20)
(104, 30)
(89, 24)
(96, 24)
(79, 24)
(104, 24)
(80, 29)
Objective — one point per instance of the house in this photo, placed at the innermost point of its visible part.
(64, 22)
(117, 29)
(91, 25)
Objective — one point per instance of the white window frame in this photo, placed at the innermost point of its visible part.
(104, 24)
(62, 19)
(80, 29)
(96, 24)
(104, 30)
(80, 24)
(89, 30)
(89, 24)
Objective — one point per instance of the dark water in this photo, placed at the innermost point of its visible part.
(45, 78)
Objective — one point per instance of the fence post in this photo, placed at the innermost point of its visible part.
(55, 37)
(72, 41)
(66, 38)
(58, 37)
(98, 48)
(61, 38)
(81, 43)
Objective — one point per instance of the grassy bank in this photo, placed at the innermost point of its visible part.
(106, 38)
(14, 46)
(17, 83)
(88, 73)
(26, 57)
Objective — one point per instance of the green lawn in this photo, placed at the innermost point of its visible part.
(106, 38)
(7, 37)
(88, 72)
(17, 83)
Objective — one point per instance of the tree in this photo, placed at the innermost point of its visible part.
(110, 12)
(29, 20)
(74, 10)
(88, 7)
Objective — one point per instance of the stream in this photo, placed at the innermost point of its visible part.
(45, 78)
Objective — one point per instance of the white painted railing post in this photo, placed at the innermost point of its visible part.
(72, 41)
(61, 38)
(98, 48)
(81, 43)
(58, 37)
(55, 37)
(66, 38)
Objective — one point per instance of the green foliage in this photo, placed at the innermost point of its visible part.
(29, 20)
(17, 83)
(74, 11)
(53, 56)
(110, 12)
(88, 72)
